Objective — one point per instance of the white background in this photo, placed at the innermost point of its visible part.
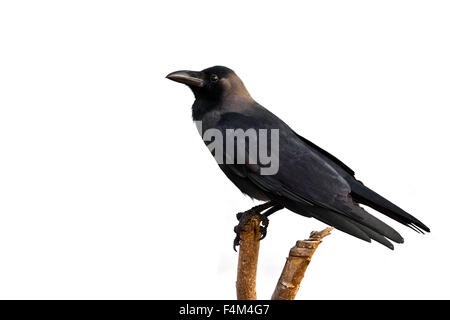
(107, 191)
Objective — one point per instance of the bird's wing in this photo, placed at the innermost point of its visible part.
(362, 194)
(359, 192)
(305, 182)
(332, 160)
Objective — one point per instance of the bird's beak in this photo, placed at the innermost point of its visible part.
(191, 78)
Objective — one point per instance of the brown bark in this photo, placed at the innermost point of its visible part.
(248, 259)
(297, 262)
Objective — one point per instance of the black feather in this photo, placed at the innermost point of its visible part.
(364, 195)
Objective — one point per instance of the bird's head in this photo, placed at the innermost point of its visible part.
(212, 84)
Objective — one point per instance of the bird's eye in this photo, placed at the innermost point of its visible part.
(214, 78)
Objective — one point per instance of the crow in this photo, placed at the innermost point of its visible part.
(308, 180)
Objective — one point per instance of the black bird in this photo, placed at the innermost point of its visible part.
(309, 181)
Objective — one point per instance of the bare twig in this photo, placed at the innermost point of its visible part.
(297, 262)
(248, 259)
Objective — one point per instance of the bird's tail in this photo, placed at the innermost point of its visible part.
(360, 229)
(364, 195)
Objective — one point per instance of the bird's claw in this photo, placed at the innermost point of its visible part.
(263, 227)
(243, 217)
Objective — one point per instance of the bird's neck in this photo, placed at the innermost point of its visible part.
(229, 103)
(203, 106)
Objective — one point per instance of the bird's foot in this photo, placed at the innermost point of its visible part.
(243, 218)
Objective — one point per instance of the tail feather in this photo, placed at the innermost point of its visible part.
(367, 227)
(340, 222)
(376, 236)
(364, 195)
(376, 225)
(349, 226)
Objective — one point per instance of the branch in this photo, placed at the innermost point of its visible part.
(248, 259)
(297, 262)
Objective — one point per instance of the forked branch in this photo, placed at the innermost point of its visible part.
(293, 272)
